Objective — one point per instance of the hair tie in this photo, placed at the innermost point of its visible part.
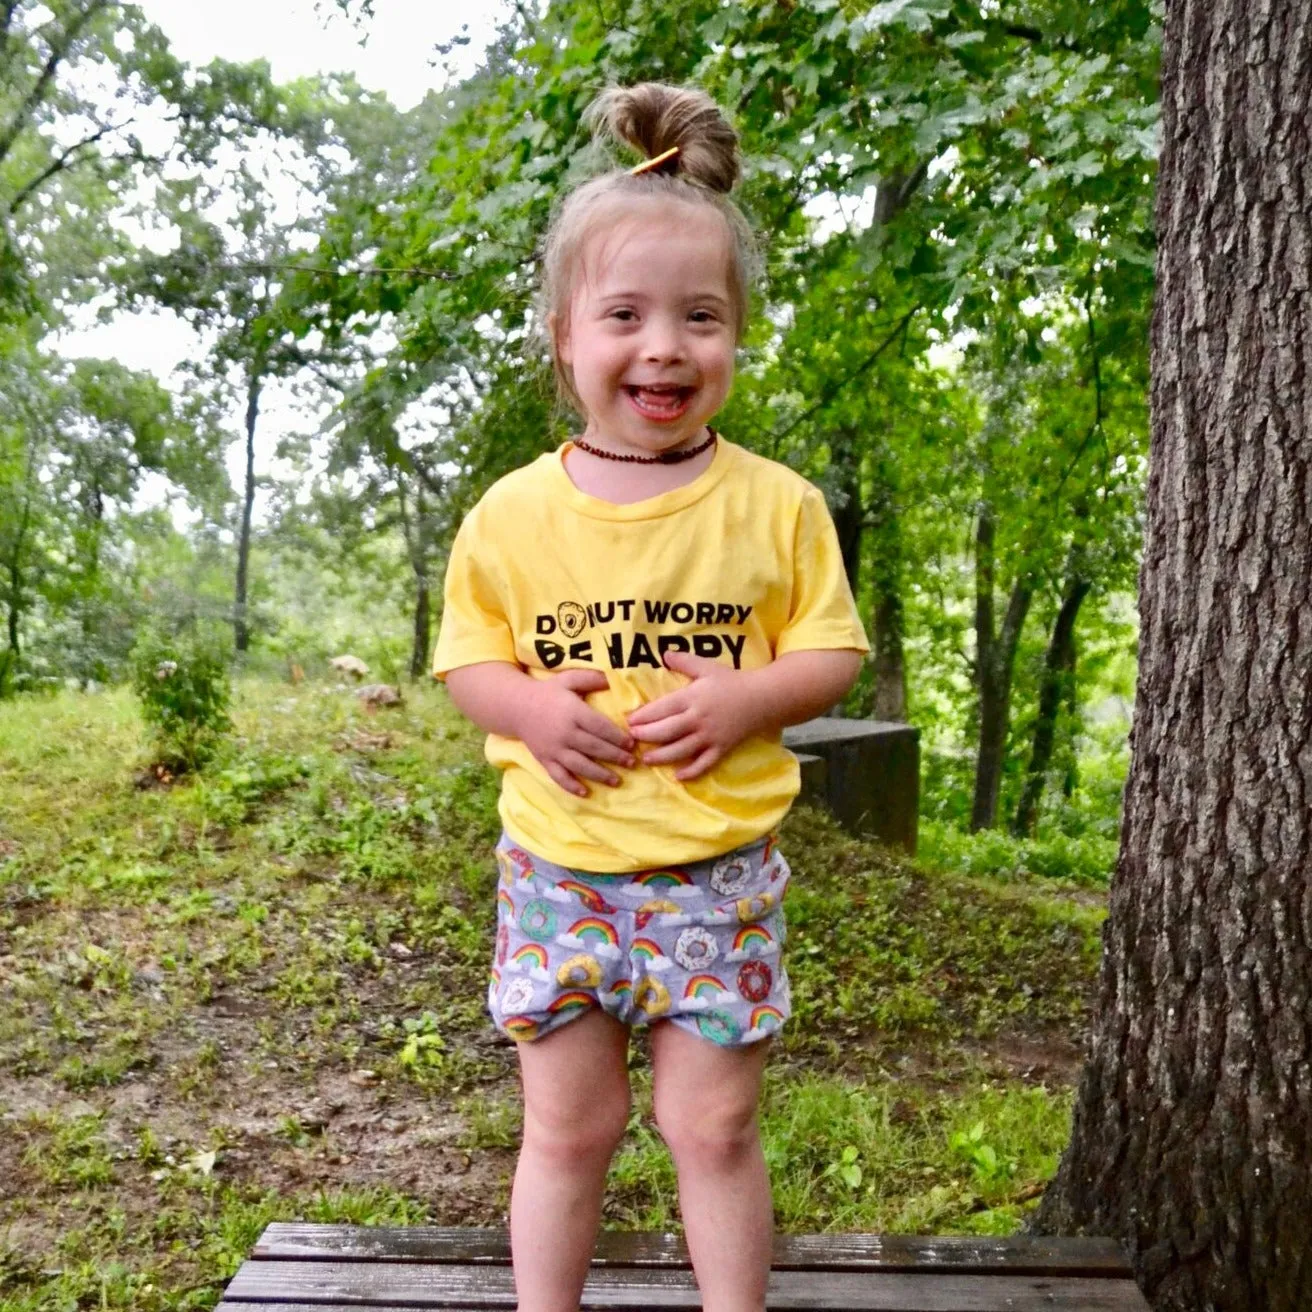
(656, 160)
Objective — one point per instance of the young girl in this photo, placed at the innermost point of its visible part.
(633, 618)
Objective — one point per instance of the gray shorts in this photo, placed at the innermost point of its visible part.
(696, 944)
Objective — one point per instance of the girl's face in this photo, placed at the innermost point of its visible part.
(650, 332)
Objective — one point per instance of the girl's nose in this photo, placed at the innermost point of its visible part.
(663, 342)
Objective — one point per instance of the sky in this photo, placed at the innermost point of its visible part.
(297, 39)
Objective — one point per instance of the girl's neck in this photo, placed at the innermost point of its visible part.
(622, 483)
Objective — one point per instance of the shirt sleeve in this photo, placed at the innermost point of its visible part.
(475, 626)
(823, 614)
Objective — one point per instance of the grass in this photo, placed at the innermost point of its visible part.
(258, 995)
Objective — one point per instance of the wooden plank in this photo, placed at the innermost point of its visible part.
(357, 1285)
(872, 774)
(963, 1254)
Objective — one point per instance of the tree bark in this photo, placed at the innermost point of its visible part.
(418, 541)
(883, 519)
(1054, 690)
(240, 624)
(9, 665)
(995, 661)
(849, 515)
(423, 629)
(1192, 1137)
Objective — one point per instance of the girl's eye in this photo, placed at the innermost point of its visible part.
(702, 316)
(623, 315)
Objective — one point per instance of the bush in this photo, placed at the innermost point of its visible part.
(182, 684)
(1088, 859)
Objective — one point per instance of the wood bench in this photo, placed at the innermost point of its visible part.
(332, 1268)
(867, 772)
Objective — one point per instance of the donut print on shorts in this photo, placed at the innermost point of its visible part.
(697, 944)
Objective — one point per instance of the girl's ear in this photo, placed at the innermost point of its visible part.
(558, 327)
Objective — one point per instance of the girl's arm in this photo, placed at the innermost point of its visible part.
(705, 720)
(800, 685)
(549, 716)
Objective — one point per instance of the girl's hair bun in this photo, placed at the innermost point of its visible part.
(652, 117)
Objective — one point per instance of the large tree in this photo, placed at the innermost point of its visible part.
(1193, 1128)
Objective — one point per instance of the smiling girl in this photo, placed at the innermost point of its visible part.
(645, 609)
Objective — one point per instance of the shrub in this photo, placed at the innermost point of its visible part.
(182, 684)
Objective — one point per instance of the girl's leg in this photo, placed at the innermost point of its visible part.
(705, 1101)
(576, 1106)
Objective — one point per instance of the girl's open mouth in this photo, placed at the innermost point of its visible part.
(660, 403)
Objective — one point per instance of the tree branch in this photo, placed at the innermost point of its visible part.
(1033, 35)
(6, 22)
(59, 164)
(866, 364)
(259, 266)
(34, 97)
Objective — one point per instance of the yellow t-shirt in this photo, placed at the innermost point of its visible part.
(742, 564)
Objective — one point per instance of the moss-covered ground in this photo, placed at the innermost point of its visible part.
(258, 995)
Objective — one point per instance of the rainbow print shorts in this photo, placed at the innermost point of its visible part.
(698, 945)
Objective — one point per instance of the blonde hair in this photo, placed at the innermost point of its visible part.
(652, 118)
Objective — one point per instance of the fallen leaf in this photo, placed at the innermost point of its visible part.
(203, 1162)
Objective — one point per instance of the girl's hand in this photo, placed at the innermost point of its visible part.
(568, 737)
(701, 723)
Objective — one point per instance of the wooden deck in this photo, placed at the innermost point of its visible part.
(329, 1268)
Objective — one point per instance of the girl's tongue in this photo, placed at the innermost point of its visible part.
(660, 402)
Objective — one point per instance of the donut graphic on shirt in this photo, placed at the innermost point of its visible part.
(730, 875)
(651, 997)
(754, 980)
(581, 971)
(517, 995)
(572, 618)
(538, 920)
(695, 949)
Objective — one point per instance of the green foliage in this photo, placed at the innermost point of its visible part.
(182, 684)
(232, 794)
(987, 1165)
(882, 1156)
(883, 955)
(1088, 859)
(952, 330)
(134, 918)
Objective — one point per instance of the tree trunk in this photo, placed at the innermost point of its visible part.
(417, 542)
(1071, 775)
(240, 625)
(849, 515)
(886, 587)
(995, 660)
(1192, 1138)
(1054, 690)
(13, 653)
(10, 662)
(423, 629)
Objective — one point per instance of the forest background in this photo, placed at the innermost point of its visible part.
(951, 340)
(269, 975)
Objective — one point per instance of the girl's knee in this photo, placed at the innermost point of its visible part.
(576, 1088)
(700, 1127)
(573, 1130)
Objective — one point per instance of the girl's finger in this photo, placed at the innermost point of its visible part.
(594, 722)
(681, 750)
(563, 777)
(699, 766)
(671, 704)
(666, 730)
(587, 768)
(601, 750)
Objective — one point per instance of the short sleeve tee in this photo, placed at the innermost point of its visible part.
(741, 565)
